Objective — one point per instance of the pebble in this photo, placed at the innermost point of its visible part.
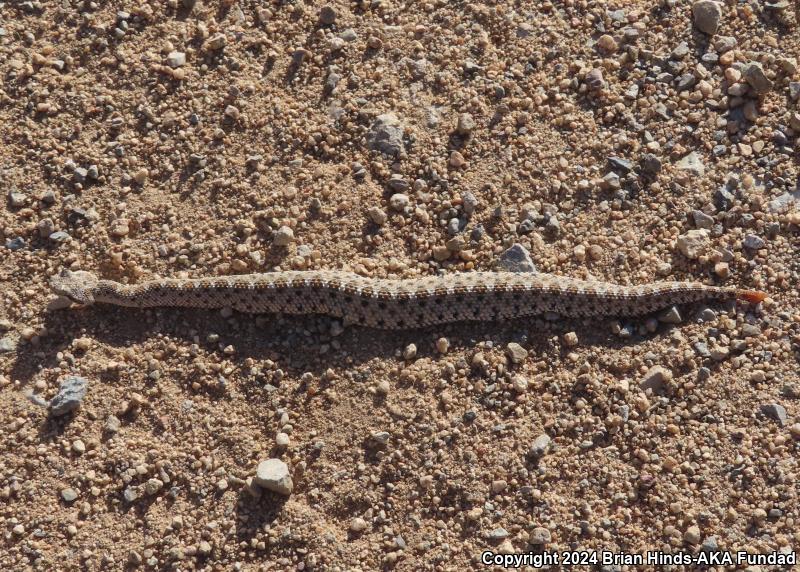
(398, 201)
(692, 164)
(386, 135)
(465, 124)
(377, 216)
(69, 494)
(516, 259)
(70, 394)
(656, 379)
(754, 75)
(539, 536)
(282, 440)
(594, 79)
(707, 15)
(516, 352)
(7, 345)
(442, 345)
(273, 475)
(692, 535)
(694, 243)
(469, 203)
(327, 15)
(410, 351)
(214, 43)
(358, 524)
(176, 59)
(775, 411)
(284, 236)
(540, 446)
(753, 242)
(702, 220)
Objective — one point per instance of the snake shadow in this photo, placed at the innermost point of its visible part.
(298, 344)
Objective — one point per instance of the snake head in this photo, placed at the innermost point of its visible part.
(77, 286)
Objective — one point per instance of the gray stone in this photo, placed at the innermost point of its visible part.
(539, 536)
(707, 15)
(273, 475)
(516, 259)
(702, 220)
(540, 446)
(753, 242)
(386, 135)
(620, 164)
(775, 411)
(469, 203)
(284, 236)
(71, 392)
(398, 201)
(516, 352)
(691, 163)
(327, 15)
(754, 75)
(397, 183)
(498, 533)
(15, 243)
(650, 165)
(670, 316)
(7, 345)
(80, 174)
(783, 202)
(69, 494)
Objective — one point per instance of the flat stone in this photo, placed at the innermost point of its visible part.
(707, 15)
(7, 345)
(620, 164)
(516, 259)
(753, 242)
(273, 475)
(70, 395)
(386, 135)
(775, 411)
(691, 163)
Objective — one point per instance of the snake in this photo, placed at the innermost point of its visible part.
(398, 303)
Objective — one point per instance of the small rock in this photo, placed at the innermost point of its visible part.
(284, 236)
(540, 446)
(465, 124)
(152, 486)
(539, 536)
(176, 59)
(707, 15)
(691, 163)
(327, 16)
(7, 345)
(692, 535)
(516, 259)
(775, 411)
(594, 79)
(71, 392)
(753, 242)
(655, 379)
(358, 524)
(398, 201)
(516, 352)
(754, 75)
(693, 243)
(214, 43)
(386, 135)
(377, 216)
(273, 475)
(282, 440)
(469, 203)
(69, 494)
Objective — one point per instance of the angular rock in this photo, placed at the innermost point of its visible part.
(540, 446)
(516, 259)
(386, 135)
(775, 411)
(754, 75)
(70, 394)
(273, 475)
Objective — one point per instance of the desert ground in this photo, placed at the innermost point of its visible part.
(629, 142)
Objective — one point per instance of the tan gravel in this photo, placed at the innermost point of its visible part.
(187, 139)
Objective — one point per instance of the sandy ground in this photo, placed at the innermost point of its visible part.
(614, 141)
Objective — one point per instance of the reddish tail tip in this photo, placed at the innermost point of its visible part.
(752, 296)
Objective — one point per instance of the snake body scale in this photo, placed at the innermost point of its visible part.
(396, 304)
